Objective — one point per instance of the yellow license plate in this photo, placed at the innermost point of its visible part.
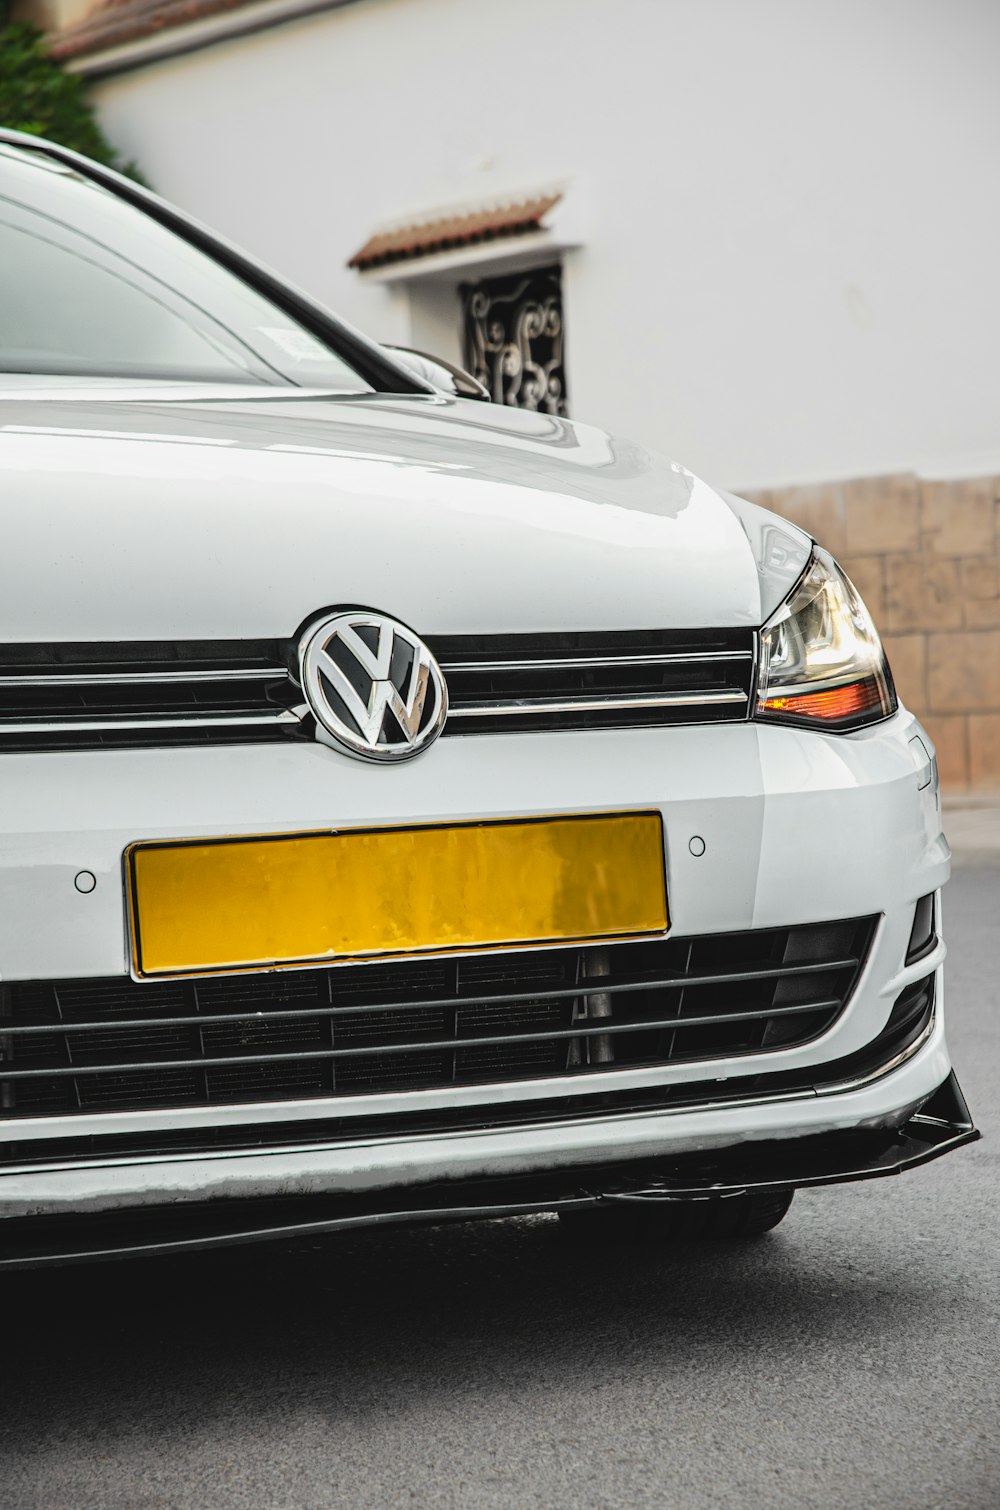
(292, 899)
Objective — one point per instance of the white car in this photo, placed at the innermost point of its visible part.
(414, 809)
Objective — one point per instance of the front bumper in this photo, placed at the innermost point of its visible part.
(796, 826)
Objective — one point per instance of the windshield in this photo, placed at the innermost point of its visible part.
(90, 286)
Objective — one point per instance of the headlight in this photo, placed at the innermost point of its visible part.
(821, 660)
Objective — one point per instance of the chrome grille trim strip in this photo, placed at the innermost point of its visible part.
(288, 716)
(210, 720)
(144, 678)
(857, 1082)
(546, 705)
(586, 662)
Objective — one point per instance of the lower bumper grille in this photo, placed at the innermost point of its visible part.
(90, 1046)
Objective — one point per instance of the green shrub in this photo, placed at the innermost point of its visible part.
(36, 95)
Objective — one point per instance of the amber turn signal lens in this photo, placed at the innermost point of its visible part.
(832, 704)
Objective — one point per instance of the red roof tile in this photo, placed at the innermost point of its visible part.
(447, 232)
(112, 22)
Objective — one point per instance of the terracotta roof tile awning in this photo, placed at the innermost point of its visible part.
(448, 233)
(110, 23)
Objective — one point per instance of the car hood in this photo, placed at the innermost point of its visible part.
(243, 515)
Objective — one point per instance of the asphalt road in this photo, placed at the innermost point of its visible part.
(850, 1359)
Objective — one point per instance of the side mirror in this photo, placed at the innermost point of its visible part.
(442, 375)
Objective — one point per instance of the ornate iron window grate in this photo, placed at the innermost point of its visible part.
(514, 339)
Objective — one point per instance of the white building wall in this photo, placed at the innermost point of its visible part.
(791, 271)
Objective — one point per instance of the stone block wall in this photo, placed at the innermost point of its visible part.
(925, 557)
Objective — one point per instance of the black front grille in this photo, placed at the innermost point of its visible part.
(142, 693)
(503, 683)
(88, 1046)
(132, 693)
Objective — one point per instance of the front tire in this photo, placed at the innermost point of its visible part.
(731, 1218)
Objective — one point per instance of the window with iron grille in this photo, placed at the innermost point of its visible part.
(514, 342)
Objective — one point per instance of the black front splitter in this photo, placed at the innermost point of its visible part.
(942, 1124)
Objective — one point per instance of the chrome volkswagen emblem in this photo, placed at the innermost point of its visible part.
(373, 685)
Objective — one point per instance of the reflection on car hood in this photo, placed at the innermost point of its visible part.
(241, 515)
